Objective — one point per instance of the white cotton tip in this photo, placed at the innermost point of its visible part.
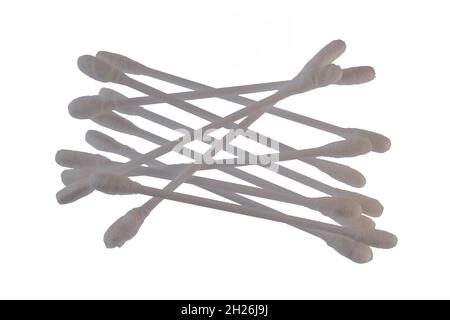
(337, 207)
(121, 62)
(357, 75)
(78, 159)
(330, 74)
(340, 172)
(370, 206)
(113, 184)
(125, 228)
(379, 142)
(74, 192)
(362, 222)
(328, 54)
(116, 122)
(311, 78)
(70, 176)
(99, 69)
(346, 148)
(89, 106)
(353, 250)
(101, 141)
(376, 238)
(113, 95)
(319, 71)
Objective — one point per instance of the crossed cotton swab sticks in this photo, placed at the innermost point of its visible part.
(350, 76)
(93, 138)
(345, 246)
(99, 70)
(338, 171)
(97, 107)
(318, 72)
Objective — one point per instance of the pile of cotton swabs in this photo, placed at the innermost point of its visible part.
(353, 233)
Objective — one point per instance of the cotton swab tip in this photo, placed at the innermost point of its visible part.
(125, 228)
(338, 207)
(346, 148)
(373, 208)
(73, 192)
(78, 159)
(353, 250)
(378, 238)
(88, 107)
(363, 222)
(70, 176)
(121, 62)
(99, 140)
(346, 207)
(311, 79)
(98, 69)
(357, 75)
(329, 74)
(379, 142)
(328, 54)
(113, 184)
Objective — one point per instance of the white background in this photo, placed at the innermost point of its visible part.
(182, 251)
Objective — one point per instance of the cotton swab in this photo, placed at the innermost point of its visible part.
(131, 222)
(95, 104)
(121, 185)
(354, 75)
(351, 76)
(338, 149)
